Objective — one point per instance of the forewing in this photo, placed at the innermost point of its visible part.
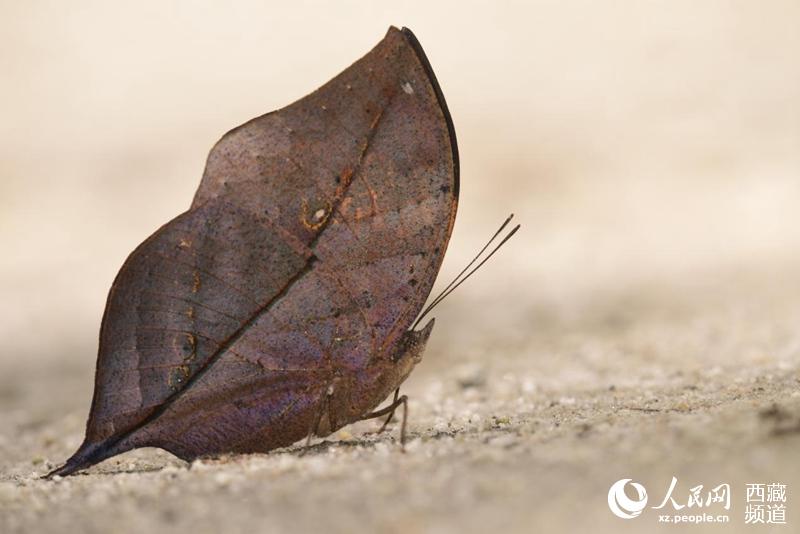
(294, 162)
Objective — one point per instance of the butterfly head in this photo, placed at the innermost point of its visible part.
(410, 349)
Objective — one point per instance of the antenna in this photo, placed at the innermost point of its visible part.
(458, 280)
(478, 255)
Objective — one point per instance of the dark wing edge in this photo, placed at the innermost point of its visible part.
(423, 59)
(408, 320)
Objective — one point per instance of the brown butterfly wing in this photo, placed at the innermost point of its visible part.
(313, 240)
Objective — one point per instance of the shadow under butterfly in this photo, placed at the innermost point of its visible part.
(284, 303)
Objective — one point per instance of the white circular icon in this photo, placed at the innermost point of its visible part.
(621, 505)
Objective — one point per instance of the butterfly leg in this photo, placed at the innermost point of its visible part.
(402, 399)
(324, 403)
(391, 414)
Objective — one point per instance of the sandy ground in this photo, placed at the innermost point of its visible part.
(643, 324)
(522, 436)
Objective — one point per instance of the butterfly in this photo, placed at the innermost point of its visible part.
(282, 304)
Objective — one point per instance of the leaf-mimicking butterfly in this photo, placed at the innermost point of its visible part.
(282, 304)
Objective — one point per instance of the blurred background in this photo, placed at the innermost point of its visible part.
(651, 151)
(637, 142)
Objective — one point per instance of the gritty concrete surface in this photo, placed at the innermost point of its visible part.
(643, 324)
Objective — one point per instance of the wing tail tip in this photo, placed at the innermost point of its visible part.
(74, 464)
(87, 455)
